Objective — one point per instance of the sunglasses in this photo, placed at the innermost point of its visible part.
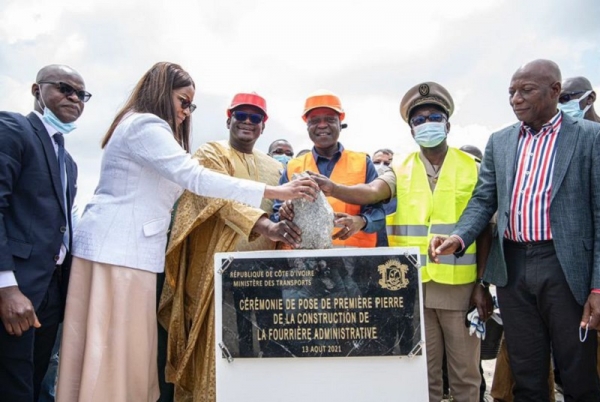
(68, 90)
(185, 104)
(255, 118)
(567, 96)
(434, 118)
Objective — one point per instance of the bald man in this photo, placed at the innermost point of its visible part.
(37, 189)
(577, 99)
(542, 175)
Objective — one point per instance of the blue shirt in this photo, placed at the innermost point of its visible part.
(373, 213)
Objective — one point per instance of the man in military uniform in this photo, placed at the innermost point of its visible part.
(433, 186)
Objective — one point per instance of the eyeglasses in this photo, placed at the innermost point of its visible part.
(185, 104)
(255, 118)
(567, 96)
(434, 118)
(68, 90)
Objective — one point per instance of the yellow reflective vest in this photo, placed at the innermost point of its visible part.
(422, 214)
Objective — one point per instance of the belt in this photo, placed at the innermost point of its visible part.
(527, 244)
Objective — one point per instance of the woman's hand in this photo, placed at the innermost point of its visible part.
(305, 188)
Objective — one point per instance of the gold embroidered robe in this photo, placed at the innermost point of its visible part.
(202, 227)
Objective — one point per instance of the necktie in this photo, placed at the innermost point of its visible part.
(60, 141)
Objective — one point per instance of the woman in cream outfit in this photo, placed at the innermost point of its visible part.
(109, 341)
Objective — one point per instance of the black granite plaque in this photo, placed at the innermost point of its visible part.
(321, 306)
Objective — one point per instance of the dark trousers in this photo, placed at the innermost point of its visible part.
(24, 360)
(48, 387)
(540, 314)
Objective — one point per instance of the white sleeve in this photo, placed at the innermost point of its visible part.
(151, 142)
(7, 278)
(75, 215)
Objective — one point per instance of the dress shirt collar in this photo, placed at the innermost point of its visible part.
(51, 130)
(335, 156)
(549, 124)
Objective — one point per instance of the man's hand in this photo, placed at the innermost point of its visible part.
(326, 185)
(350, 224)
(482, 299)
(284, 231)
(286, 211)
(441, 245)
(300, 188)
(591, 312)
(16, 311)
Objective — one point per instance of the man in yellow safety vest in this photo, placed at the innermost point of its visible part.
(433, 187)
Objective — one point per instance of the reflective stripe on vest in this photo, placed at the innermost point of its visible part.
(467, 259)
(350, 169)
(422, 214)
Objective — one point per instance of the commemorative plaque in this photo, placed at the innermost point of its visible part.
(313, 305)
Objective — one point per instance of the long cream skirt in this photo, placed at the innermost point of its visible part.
(109, 345)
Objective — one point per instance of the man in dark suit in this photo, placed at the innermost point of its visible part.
(37, 189)
(543, 178)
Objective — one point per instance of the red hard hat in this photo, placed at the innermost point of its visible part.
(252, 99)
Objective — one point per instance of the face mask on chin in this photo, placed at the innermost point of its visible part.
(50, 118)
(430, 135)
(572, 107)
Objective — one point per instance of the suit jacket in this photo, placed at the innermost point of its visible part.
(32, 212)
(144, 170)
(574, 202)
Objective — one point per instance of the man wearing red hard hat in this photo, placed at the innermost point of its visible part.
(323, 114)
(204, 226)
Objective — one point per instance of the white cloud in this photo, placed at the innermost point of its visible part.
(368, 52)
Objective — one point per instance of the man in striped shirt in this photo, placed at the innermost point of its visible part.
(543, 177)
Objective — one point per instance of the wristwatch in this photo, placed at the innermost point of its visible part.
(484, 284)
(364, 220)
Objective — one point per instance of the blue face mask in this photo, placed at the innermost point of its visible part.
(53, 121)
(430, 135)
(572, 108)
(284, 159)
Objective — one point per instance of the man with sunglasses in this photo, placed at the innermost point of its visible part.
(206, 226)
(432, 187)
(37, 189)
(577, 99)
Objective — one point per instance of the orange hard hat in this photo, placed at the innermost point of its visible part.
(322, 98)
(248, 98)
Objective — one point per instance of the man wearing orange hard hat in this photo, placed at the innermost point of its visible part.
(204, 226)
(323, 114)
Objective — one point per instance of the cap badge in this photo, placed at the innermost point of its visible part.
(424, 89)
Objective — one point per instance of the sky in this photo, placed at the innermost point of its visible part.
(370, 53)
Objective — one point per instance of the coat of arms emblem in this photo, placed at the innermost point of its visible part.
(393, 275)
